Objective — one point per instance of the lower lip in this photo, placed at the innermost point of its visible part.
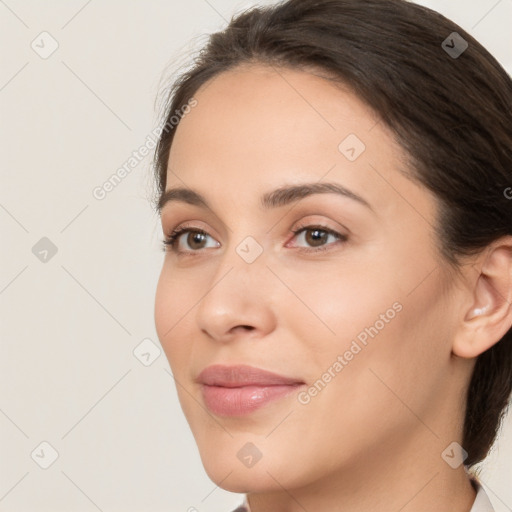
(244, 400)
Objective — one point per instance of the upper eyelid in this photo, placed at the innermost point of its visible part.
(301, 227)
(343, 228)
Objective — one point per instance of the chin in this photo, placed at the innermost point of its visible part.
(240, 479)
(224, 465)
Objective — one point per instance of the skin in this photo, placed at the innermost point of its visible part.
(373, 437)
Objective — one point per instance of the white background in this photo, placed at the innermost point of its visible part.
(68, 375)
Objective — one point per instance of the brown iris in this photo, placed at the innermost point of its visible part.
(315, 237)
(194, 237)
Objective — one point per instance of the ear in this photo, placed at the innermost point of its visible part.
(489, 316)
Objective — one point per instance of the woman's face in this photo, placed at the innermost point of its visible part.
(360, 314)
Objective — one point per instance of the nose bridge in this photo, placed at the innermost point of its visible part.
(245, 256)
(238, 293)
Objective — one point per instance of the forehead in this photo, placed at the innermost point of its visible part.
(256, 105)
(257, 127)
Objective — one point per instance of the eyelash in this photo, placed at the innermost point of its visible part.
(172, 239)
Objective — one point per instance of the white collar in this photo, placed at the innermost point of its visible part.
(481, 503)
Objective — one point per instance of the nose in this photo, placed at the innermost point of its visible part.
(240, 300)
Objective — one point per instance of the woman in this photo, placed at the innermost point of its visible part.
(335, 297)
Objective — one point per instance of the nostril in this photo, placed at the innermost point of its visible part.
(246, 328)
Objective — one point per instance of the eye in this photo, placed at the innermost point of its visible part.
(316, 237)
(195, 239)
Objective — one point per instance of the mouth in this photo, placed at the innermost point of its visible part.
(240, 390)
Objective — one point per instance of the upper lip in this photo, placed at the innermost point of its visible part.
(242, 375)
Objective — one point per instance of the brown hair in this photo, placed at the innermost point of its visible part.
(451, 112)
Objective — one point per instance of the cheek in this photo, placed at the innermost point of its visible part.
(378, 312)
(335, 301)
(361, 379)
(174, 300)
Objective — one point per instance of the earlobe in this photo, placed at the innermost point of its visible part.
(489, 316)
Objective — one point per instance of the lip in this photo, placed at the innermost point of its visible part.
(242, 375)
(242, 389)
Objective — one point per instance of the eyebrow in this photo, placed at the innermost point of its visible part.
(279, 197)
